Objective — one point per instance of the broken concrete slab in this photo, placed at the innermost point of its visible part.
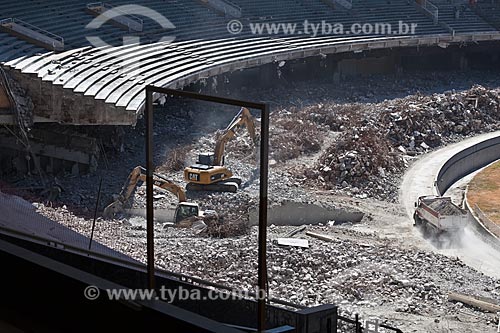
(296, 213)
(295, 242)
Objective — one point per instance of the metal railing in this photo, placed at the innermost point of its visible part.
(6, 21)
(430, 9)
(237, 9)
(130, 263)
(487, 223)
(10, 23)
(132, 22)
(348, 325)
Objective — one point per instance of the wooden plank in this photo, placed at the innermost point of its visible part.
(483, 305)
(294, 232)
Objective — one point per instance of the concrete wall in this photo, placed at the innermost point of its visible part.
(367, 66)
(294, 213)
(232, 311)
(477, 225)
(464, 163)
(335, 67)
(56, 104)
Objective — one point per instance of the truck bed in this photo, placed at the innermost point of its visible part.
(444, 206)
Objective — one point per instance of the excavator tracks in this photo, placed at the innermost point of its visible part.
(228, 185)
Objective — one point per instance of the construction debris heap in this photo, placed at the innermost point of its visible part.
(374, 146)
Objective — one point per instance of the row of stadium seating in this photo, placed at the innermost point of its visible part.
(467, 19)
(118, 75)
(193, 20)
(489, 11)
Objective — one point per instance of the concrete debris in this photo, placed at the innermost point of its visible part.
(232, 217)
(428, 121)
(356, 270)
(295, 232)
(445, 207)
(362, 159)
(370, 152)
(23, 105)
(329, 144)
(176, 160)
(472, 301)
(294, 134)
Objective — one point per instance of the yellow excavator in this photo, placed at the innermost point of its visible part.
(183, 211)
(209, 173)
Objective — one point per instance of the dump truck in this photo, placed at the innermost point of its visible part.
(439, 215)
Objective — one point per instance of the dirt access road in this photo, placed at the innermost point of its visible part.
(419, 180)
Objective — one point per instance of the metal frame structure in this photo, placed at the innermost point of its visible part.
(263, 201)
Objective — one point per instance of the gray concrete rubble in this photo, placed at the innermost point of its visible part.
(20, 102)
(52, 151)
(375, 147)
(362, 272)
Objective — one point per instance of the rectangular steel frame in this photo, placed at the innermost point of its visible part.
(264, 172)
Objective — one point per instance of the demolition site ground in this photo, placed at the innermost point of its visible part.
(340, 148)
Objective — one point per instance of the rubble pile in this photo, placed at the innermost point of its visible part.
(445, 207)
(339, 117)
(293, 134)
(356, 270)
(371, 272)
(360, 274)
(228, 225)
(363, 159)
(232, 211)
(241, 147)
(371, 150)
(176, 159)
(419, 122)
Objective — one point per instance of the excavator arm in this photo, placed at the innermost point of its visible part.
(243, 118)
(137, 175)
